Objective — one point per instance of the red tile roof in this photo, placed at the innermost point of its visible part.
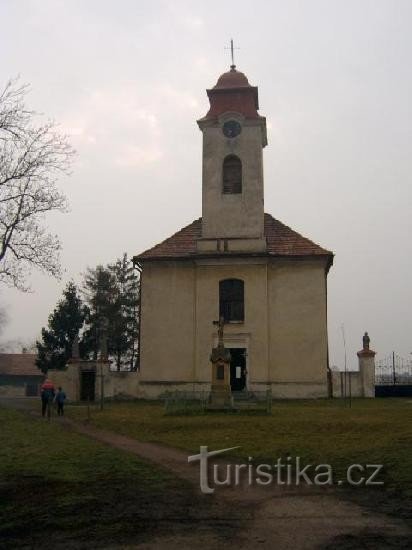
(232, 79)
(233, 93)
(281, 241)
(19, 364)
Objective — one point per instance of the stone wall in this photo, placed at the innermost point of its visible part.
(12, 391)
(18, 386)
(353, 381)
(116, 384)
(360, 383)
(68, 379)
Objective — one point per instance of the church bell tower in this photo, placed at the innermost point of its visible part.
(234, 135)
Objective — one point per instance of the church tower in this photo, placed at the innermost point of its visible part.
(234, 135)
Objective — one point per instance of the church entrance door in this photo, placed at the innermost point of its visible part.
(238, 369)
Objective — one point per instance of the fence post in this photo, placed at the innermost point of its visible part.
(269, 401)
(393, 368)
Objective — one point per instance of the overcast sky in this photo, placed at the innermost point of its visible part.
(127, 81)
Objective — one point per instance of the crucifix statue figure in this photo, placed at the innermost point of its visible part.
(220, 325)
(220, 395)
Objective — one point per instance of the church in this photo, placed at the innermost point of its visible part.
(236, 262)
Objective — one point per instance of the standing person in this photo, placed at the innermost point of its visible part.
(47, 396)
(60, 399)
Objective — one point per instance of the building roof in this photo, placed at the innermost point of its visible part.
(19, 364)
(232, 79)
(232, 92)
(281, 241)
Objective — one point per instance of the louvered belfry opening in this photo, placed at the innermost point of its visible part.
(232, 175)
(231, 300)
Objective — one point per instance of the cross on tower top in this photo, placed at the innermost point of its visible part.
(232, 54)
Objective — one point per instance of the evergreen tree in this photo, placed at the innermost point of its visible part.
(112, 295)
(64, 323)
(124, 329)
(100, 293)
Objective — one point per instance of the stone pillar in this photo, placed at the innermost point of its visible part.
(366, 359)
(103, 369)
(220, 395)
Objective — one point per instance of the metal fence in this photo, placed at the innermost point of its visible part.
(196, 402)
(186, 402)
(393, 370)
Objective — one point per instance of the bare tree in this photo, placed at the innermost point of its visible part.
(32, 156)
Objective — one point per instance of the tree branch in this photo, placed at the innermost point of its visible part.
(32, 157)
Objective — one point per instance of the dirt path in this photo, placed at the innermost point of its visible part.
(302, 518)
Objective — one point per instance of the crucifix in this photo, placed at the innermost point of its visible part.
(232, 54)
(220, 325)
(220, 395)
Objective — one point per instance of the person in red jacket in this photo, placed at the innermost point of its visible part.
(47, 396)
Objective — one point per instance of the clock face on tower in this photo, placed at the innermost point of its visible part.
(231, 128)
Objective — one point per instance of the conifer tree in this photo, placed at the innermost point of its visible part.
(124, 333)
(99, 291)
(64, 324)
(112, 296)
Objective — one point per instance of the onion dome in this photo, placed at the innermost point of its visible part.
(233, 93)
(232, 79)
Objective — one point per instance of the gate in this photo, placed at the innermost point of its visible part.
(393, 377)
(87, 385)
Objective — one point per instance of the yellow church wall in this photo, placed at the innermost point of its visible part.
(167, 322)
(284, 330)
(251, 334)
(298, 323)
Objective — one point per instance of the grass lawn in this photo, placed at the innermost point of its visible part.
(59, 489)
(372, 431)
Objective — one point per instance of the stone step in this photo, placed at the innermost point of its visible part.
(243, 396)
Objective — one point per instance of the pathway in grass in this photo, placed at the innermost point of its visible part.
(281, 517)
(284, 517)
(318, 431)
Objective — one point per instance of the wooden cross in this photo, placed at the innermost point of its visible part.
(232, 54)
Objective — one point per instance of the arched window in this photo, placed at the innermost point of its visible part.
(231, 300)
(232, 174)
